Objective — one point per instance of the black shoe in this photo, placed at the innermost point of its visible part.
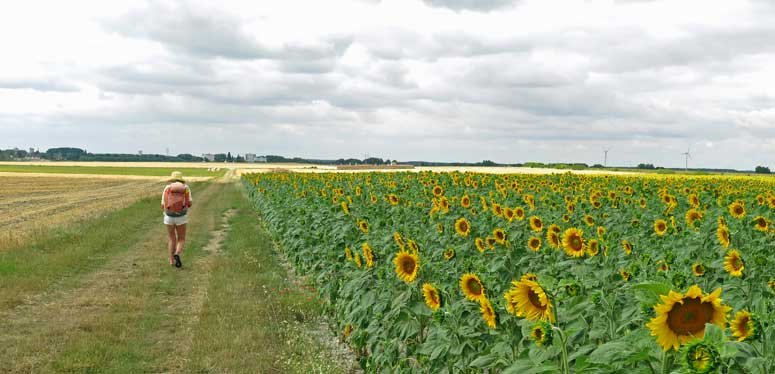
(177, 261)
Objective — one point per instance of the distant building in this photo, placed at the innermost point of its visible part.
(250, 157)
(209, 157)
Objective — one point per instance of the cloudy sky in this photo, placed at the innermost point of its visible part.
(443, 80)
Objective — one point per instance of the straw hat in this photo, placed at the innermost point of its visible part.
(177, 177)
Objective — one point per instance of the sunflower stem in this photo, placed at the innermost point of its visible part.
(665, 365)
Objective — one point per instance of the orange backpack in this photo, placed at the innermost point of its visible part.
(176, 200)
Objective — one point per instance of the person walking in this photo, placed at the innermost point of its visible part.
(175, 201)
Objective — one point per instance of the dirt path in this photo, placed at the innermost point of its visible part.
(103, 304)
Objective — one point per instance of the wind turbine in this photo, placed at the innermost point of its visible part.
(688, 155)
(605, 156)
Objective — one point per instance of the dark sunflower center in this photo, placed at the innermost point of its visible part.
(742, 325)
(434, 297)
(499, 235)
(534, 243)
(474, 287)
(408, 265)
(463, 226)
(661, 226)
(535, 300)
(538, 334)
(575, 243)
(690, 317)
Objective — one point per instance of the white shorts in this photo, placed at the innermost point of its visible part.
(176, 221)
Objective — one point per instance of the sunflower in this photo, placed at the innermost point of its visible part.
(534, 244)
(480, 244)
(600, 231)
(573, 242)
(488, 313)
(593, 248)
(413, 246)
(554, 228)
(348, 329)
(407, 265)
(392, 199)
(692, 216)
(698, 269)
(472, 287)
(508, 214)
(499, 235)
(737, 209)
(541, 333)
(761, 223)
(348, 253)
(374, 199)
(733, 263)
(625, 275)
(745, 326)
(462, 227)
(519, 213)
(589, 220)
(680, 318)
(536, 224)
(363, 226)
(530, 277)
(694, 201)
(398, 239)
(700, 357)
(663, 266)
(553, 239)
(439, 227)
(438, 191)
(497, 210)
(345, 208)
(626, 247)
(465, 201)
(565, 218)
(722, 233)
(660, 227)
(490, 241)
(432, 297)
(357, 258)
(529, 300)
(449, 254)
(368, 255)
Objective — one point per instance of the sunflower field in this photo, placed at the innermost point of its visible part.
(465, 272)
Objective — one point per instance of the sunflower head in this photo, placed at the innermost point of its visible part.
(737, 209)
(398, 239)
(363, 226)
(600, 231)
(700, 357)
(488, 313)
(345, 208)
(761, 224)
(589, 220)
(626, 247)
(357, 259)
(438, 191)
(368, 255)
(472, 287)
(625, 275)
(541, 333)
(733, 263)
(465, 201)
(407, 265)
(723, 236)
(480, 245)
(536, 224)
(348, 253)
(519, 213)
(392, 199)
(449, 254)
(499, 235)
(660, 227)
(431, 295)
(698, 269)
(527, 299)
(745, 326)
(553, 239)
(462, 227)
(692, 216)
(573, 242)
(534, 244)
(682, 317)
(593, 248)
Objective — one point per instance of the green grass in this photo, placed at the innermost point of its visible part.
(256, 320)
(118, 307)
(111, 170)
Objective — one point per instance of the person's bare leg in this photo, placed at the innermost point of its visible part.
(181, 231)
(172, 243)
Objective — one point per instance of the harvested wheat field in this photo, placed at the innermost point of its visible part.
(32, 203)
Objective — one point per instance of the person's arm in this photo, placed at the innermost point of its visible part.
(162, 196)
(190, 197)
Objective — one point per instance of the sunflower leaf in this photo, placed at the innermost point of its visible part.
(648, 292)
(609, 352)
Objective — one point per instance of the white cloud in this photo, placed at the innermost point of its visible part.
(512, 81)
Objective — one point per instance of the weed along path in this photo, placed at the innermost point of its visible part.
(117, 306)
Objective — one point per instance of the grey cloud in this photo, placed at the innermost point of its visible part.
(208, 33)
(476, 5)
(38, 84)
